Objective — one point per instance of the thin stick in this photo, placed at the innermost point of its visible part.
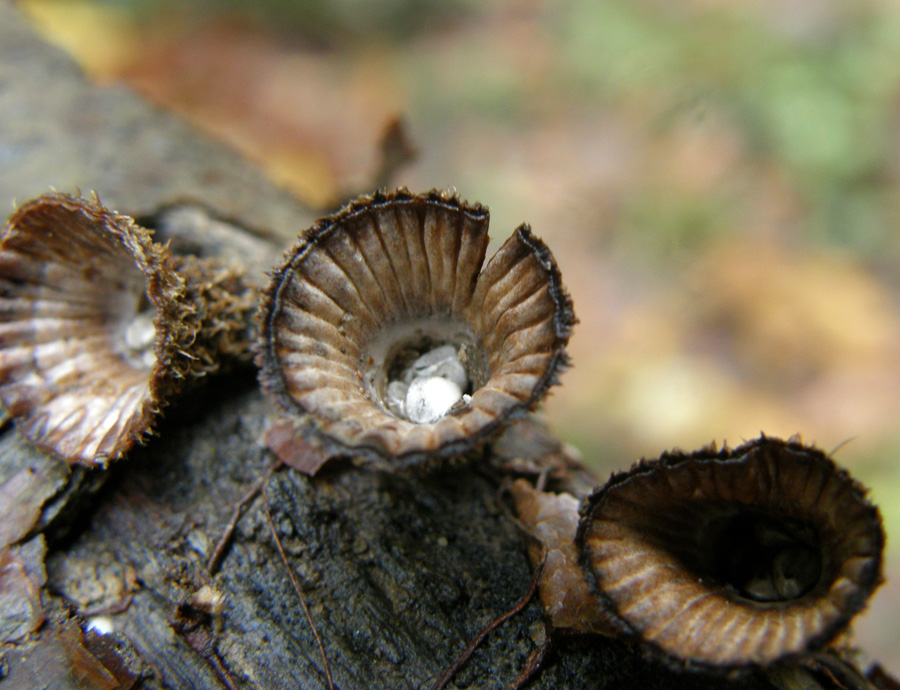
(221, 671)
(842, 674)
(532, 666)
(219, 553)
(841, 445)
(447, 675)
(299, 596)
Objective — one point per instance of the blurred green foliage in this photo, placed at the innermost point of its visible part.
(820, 105)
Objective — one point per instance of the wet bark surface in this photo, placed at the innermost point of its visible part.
(399, 571)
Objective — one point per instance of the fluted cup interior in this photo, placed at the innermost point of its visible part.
(380, 306)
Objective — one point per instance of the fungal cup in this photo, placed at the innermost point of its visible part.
(99, 325)
(387, 337)
(732, 559)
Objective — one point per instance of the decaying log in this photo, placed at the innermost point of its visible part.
(399, 571)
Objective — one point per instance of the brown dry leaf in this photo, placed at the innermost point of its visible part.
(288, 445)
(21, 498)
(565, 595)
(21, 577)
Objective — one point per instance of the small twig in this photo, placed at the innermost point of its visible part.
(532, 665)
(192, 625)
(840, 445)
(447, 675)
(221, 671)
(839, 672)
(541, 482)
(299, 596)
(219, 553)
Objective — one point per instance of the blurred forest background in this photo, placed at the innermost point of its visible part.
(720, 182)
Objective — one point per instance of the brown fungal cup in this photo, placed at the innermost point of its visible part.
(388, 337)
(732, 559)
(99, 325)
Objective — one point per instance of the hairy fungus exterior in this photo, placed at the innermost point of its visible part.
(357, 323)
(99, 325)
(736, 559)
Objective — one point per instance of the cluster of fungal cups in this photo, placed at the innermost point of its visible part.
(386, 336)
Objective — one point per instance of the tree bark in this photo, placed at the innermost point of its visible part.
(399, 571)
